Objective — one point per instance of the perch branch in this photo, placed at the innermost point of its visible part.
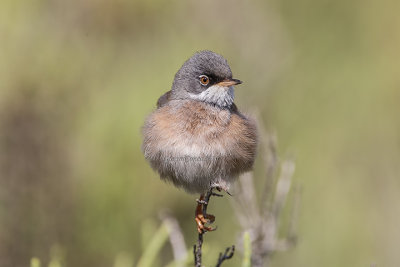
(197, 248)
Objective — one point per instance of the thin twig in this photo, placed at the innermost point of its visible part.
(282, 187)
(262, 219)
(197, 248)
(197, 251)
(229, 251)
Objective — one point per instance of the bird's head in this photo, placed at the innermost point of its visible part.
(207, 77)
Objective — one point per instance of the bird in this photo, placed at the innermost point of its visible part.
(196, 138)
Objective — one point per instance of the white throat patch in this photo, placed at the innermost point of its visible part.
(219, 95)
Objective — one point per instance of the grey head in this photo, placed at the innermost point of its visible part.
(206, 77)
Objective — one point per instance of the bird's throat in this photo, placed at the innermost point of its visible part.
(217, 95)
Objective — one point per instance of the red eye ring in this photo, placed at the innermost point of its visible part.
(204, 80)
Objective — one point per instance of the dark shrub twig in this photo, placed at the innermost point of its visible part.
(229, 251)
(197, 248)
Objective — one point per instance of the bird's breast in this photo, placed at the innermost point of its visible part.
(202, 133)
(190, 128)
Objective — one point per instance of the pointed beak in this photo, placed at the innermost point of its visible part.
(229, 82)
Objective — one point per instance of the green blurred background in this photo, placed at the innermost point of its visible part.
(77, 79)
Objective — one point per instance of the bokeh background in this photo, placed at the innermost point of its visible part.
(77, 79)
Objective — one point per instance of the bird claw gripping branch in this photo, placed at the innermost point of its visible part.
(202, 218)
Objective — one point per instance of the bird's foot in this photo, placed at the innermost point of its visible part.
(221, 186)
(220, 189)
(202, 219)
(216, 194)
(201, 222)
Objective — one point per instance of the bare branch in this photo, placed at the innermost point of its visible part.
(229, 251)
(283, 186)
(262, 219)
(197, 248)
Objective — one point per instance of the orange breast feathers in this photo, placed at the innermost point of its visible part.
(196, 129)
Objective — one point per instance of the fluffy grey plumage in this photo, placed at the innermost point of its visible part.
(196, 138)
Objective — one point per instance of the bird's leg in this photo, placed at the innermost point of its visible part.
(202, 217)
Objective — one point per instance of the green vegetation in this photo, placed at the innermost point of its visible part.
(77, 79)
(247, 250)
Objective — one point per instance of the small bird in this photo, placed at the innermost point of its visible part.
(197, 138)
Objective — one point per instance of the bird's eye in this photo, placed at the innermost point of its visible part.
(204, 80)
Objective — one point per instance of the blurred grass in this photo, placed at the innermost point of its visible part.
(153, 248)
(77, 79)
(35, 262)
(246, 250)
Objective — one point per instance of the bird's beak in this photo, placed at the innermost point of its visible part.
(229, 82)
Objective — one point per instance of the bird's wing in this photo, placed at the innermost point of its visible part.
(234, 108)
(163, 99)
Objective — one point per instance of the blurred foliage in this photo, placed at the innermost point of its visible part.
(77, 79)
(35, 262)
(153, 248)
(246, 250)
